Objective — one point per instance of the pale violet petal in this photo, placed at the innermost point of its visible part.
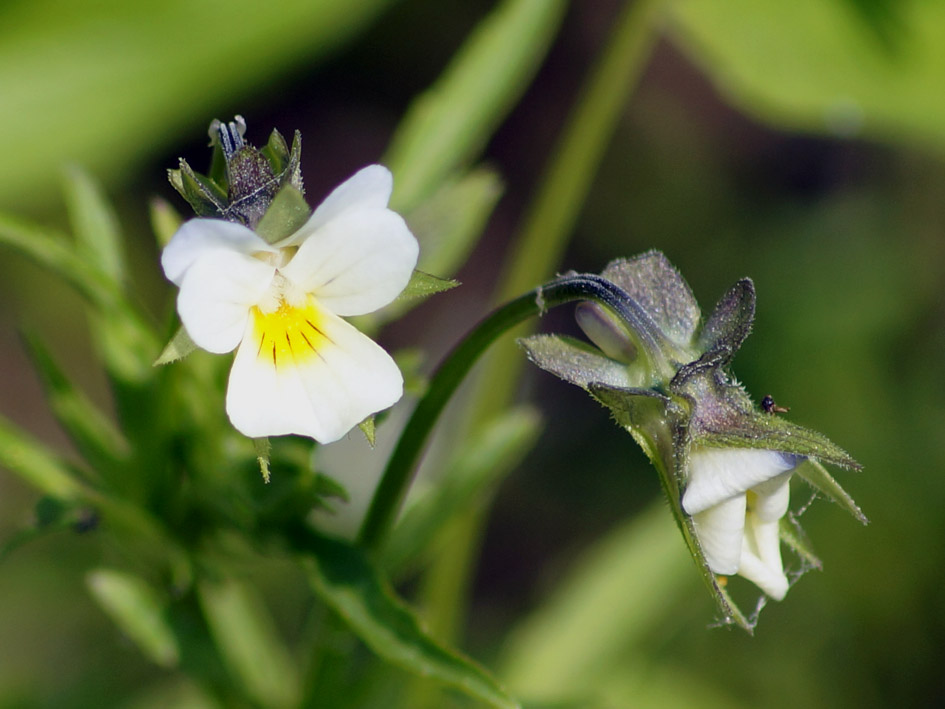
(216, 294)
(322, 392)
(716, 474)
(200, 238)
(769, 579)
(356, 263)
(368, 188)
(720, 530)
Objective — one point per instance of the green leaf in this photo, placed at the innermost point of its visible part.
(367, 428)
(423, 285)
(792, 535)
(817, 66)
(817, 476)
(482, 460)
(263, 450)
(179, 347)
(138, 610)
(449, 223)
(165, 221)
(351, 586)
(285, 215)
(93, 433)
(33, 463)
(246, 638)
(448, 125)
(94, 225)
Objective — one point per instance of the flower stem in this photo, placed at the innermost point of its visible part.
(403, 461)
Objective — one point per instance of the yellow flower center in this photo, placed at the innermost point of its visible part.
(289, 335)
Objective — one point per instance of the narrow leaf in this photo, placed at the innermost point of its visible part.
(179, 347)
(344, 578)
(450, 123)
(32, 462)
(138, 610)
(263, 450)
(246, 638)
(368, 429)
(817, 476)
(94, 225)
(94, 434)
(423, 285)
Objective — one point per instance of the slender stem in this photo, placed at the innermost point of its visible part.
(403, 461)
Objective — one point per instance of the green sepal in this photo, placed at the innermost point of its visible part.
(730, 323)
(423, 285)
(201, 193)
(286, 164)
(285, 215)
(180, 346)
(817, 477)
(576, 362)
(139, 611)
(367, 428)
(661, 291)
(792, 535)
(263, 449)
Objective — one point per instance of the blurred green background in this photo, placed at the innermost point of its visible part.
(801, 146)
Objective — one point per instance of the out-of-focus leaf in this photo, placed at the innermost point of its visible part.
(481, 461)
(179, 347)
(821, 66)
(66, 97)
(94, 225)
(165, 220)
(448, 124)
(32, 462)
(93, 433)
(618, 594)
(248, 642)
(449, 223)
(138, 610)
(175, 692)
(345, 579)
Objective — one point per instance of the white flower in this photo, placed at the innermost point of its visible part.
(737, 497)
(299, 367)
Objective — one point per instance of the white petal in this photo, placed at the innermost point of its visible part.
(356, 263)
(216, 293)
(771, 498)
(322, 392)
(763, 540)
(368, 188)
(199, 238)
(769, 579)
(720, 530)
(716, 474)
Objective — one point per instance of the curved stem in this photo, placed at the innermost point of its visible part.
(403, 461)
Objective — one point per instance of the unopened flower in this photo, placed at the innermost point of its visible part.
(725, 463)
(299, 367)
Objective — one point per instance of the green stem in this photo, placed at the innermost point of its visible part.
(400, 468)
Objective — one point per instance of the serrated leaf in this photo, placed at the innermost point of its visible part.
(165, 221)
(285, 215)
(452, 120)
(34, 464)
(351, 586)
(138, 610)
(246, 638)
(817, 476)
(94, 225)
(179, 347)
(93, 433)
(483, 459)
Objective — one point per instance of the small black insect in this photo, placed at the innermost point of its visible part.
(770, 407)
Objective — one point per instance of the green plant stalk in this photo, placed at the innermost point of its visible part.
(533, 258)
(402, 464)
